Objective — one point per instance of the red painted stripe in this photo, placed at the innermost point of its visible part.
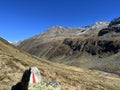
(33, 78)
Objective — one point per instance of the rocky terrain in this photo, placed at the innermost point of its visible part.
(95, 47)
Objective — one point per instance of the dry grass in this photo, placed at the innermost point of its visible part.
(13, 62)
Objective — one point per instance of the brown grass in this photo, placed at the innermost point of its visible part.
(14, 61)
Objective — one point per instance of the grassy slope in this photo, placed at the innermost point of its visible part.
(13, 62)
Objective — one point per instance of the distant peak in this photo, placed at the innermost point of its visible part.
(101, 22)
(57, 26)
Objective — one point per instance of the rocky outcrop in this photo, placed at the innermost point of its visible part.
(115, 22)
(112, 32)
(100, 44)
(109, 30)
(93, 46)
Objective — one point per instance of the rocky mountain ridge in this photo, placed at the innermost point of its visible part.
(59, 32)
(67, 31)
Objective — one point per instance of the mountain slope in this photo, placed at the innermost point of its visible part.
(57, 34)
(14, 61)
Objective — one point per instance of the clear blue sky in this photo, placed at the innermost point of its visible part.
(20, 19)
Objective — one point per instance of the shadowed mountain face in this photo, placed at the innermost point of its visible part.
(95, 47)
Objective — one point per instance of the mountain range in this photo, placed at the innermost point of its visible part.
(94, 47)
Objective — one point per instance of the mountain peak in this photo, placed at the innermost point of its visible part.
(55, 27)
(101, 23)
(115, 22)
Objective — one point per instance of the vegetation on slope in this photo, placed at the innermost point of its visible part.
(14, 61)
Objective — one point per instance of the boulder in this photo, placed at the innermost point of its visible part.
(32, 80)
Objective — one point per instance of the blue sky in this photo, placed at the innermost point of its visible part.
(20, 19)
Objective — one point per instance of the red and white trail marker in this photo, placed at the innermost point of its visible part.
(35, 75)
